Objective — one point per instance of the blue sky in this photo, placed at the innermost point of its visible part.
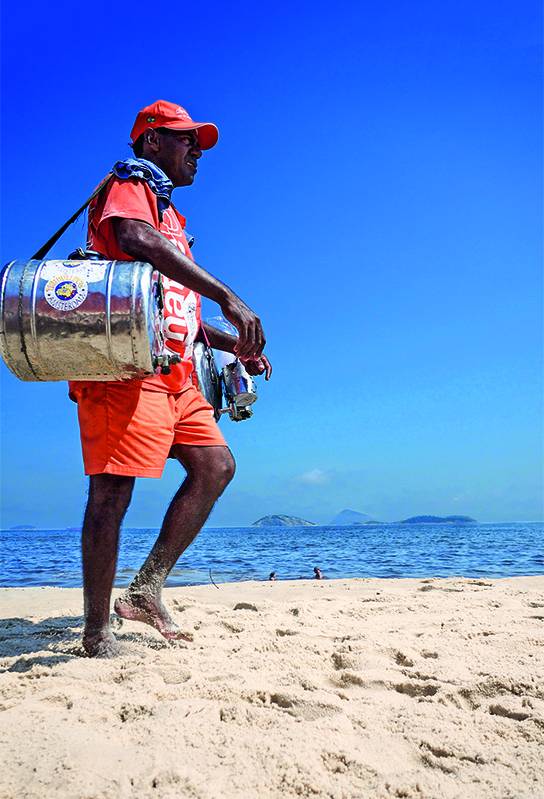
(375, 195)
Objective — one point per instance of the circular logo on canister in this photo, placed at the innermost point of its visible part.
(66, 292)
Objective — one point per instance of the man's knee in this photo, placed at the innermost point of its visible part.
(226, 467)
(109, 493)
(214, 466)
(218, 469)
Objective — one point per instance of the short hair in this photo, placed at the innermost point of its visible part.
(138, 146)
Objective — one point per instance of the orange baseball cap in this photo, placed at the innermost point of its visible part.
(162, 114)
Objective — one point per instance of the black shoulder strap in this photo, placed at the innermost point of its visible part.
(56, 236)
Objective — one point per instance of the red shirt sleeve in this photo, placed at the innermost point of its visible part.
(128, 199)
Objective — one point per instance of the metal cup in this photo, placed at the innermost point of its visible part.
(240, 391)
(239, 385)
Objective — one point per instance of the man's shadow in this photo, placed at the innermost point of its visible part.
(61, 635)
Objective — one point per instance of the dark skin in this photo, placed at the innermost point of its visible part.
(224, 341)
(208, 469)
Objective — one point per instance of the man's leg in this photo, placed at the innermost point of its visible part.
(209, 471)
(109, 498)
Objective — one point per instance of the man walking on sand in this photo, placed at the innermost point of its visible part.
(129, 428)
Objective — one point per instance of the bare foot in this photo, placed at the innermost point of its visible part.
(150, 610)
(100, 644)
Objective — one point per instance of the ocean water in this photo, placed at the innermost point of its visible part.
(52, 557)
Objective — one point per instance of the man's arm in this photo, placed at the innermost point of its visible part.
(218, 339)
(226, 342)
(143, 243)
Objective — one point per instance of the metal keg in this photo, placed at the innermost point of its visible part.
(80, 319)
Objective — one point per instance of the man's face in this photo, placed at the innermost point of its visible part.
(178, 155)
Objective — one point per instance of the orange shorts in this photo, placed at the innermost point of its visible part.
(128, 430)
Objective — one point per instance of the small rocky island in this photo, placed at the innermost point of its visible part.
(282, 521)
(439, 520)
(22, 527)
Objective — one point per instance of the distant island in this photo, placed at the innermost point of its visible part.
(282, 521)
(353, 518)
(431, 519)
(347, 516)
(23, 527)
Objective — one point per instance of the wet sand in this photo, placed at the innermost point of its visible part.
(340, 688)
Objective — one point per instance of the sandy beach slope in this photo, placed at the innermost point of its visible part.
(341, 689)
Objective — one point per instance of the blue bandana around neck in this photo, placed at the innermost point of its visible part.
(142, 169)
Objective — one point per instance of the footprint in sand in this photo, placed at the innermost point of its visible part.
(233, 628)
(446, 759)
(125, 674)
(418, 675)
(349, 678)
(59, 699)
(301, 708)
(168, 779)
(416, 689)
(515, 715)
(245, 606)
(307, 685)
(335, 763)
(345, 660)
(292, 705)
(403, 660)
(129, 712)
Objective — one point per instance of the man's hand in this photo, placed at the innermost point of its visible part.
(220, 340)
(251, 338)
(257, 366)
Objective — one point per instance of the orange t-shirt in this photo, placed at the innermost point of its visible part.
(133, 199)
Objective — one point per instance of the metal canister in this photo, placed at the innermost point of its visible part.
(240, 391)
(239, 385)
(80, 319)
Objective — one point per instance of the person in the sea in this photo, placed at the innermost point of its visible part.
(318, 575)
(129, 429)
(272, 576)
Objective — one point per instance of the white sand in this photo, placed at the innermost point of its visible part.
(347, 688)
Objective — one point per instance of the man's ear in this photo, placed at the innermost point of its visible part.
(152, 140)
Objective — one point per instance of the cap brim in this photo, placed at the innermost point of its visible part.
(207, 132)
